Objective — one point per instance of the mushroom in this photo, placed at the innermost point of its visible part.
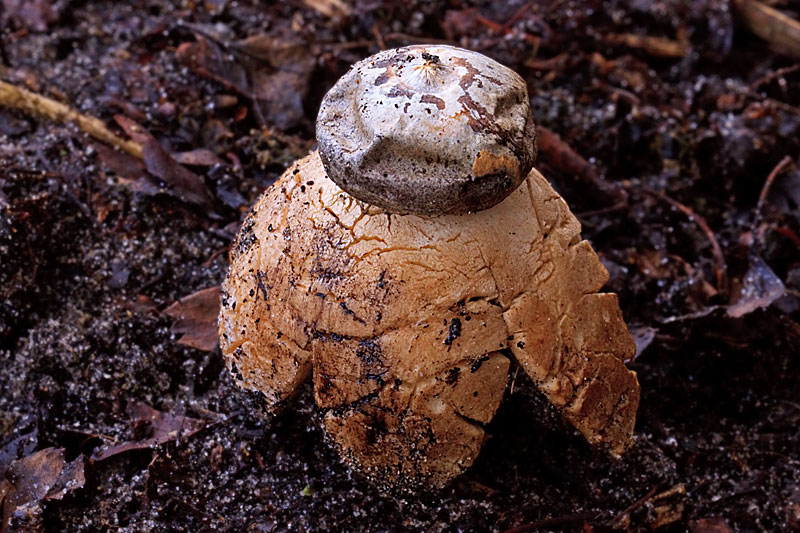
(410, 260)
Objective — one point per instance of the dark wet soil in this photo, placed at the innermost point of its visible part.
(95, 245)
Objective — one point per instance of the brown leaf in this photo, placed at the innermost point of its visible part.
(187, 185)
(134, 130)
(196, 316)
(656, 46)
(273, 73)
(159, 427)
(771, 25)
(709, 525)
(164, 426)
(182, 182)
(555, 153)
(122, 164)
(36, 478)
(130, 171)
(202, 157)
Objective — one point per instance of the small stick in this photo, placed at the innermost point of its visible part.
(762, 198)
(330, 8)
(770, 24)
(552, 63)
(559, 155)
(501, 28)
(517, 15)
(767, 78)
(635, 505)
(378, 37)
(656, 46)
(788, 233)
(720, 267)
(514, 380)
(35, 104)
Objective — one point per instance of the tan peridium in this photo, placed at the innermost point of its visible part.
(409, 323)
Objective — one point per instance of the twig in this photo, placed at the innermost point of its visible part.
(656, 46)
(791, 403)
(504, 30)
(770, 24)
(720, 267)
(330, 8)
(216, 254)
(617, 92)
(560, 156)
(378, 37)
(517, 14)
(690, 316)
(552, 63)
(784, 106)
(35, 104)
(762, 198)
(788, 233)
(603, 211)
(767, 78)
(635, 505)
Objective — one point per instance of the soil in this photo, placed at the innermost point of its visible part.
(664, 153)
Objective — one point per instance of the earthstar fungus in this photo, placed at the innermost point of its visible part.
(410, 260)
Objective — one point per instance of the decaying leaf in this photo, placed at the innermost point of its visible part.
(185, 184)
(196, 318)
(34, 479)
(181, 182)
(273, 73)
(154, 427)
(770, 24)
(330, 8)
(709, 525)
(199, 157)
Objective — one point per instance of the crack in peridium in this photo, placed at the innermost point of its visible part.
(355, 239)
(463, 364)
(360, 237)
(486, 264)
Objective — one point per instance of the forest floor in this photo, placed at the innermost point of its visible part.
(664, 124)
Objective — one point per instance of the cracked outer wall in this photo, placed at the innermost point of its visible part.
(403, 318)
